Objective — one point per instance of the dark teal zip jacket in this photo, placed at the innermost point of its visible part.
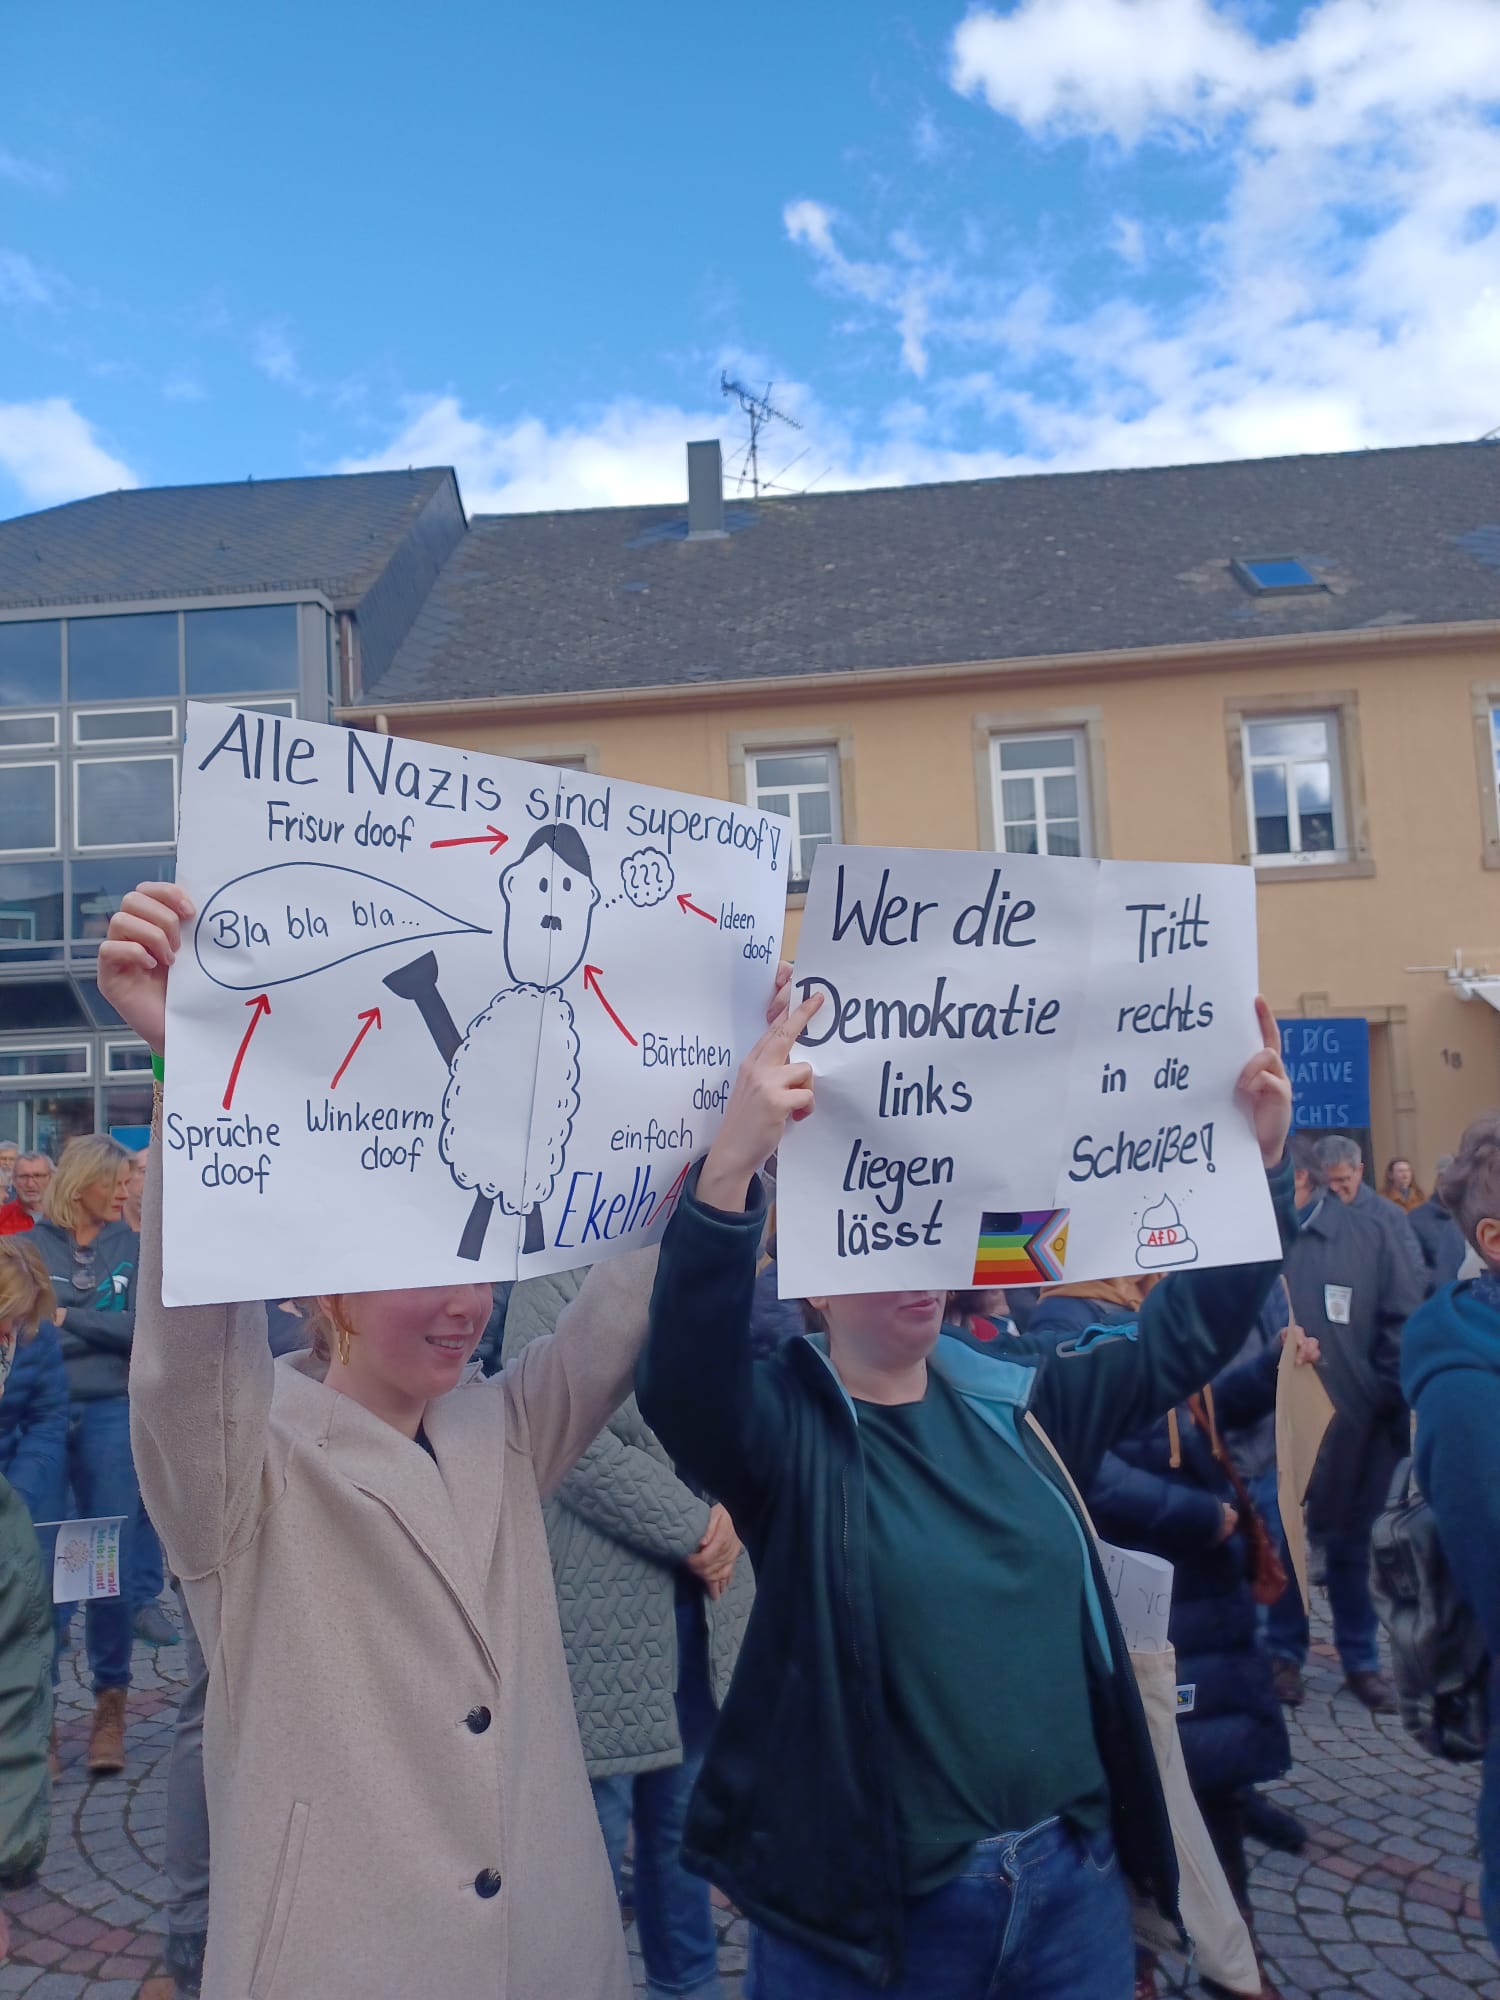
(794, 1816)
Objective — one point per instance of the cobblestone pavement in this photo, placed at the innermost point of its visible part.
(1381, 1906)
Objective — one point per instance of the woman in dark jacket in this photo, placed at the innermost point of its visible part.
(931, 1776)
(90, 1254)
(1170, 1491)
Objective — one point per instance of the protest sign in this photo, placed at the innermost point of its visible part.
(443, 1016)
(86, 1559)
(1025, 1073)
(1304, 1410)
(1141, 1586)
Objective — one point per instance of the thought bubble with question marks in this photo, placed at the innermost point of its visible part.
(300, 917)
(647, 876)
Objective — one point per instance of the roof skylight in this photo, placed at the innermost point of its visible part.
(1274, 576)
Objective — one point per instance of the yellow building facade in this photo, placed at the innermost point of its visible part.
(1357, 772)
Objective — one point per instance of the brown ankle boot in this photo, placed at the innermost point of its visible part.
(107, 1737)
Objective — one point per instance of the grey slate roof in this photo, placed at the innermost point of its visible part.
(332, 534)
(979, 570)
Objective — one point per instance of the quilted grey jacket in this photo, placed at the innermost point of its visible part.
(617, 1528)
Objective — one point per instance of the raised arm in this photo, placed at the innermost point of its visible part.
(563, 1387)
(1192, 1324)
(200, 1376)
(617, 1486)
(721, 1417)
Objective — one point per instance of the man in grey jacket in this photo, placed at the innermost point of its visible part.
(1343, 1173)
(1352, 1287)
(653, 1595)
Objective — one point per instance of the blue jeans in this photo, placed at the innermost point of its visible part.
(1042, 1915)
(1356, 1631)
(102, 1473)
(672, 1911)
(146, 1579)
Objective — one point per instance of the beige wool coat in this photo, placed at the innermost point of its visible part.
(396, 1792)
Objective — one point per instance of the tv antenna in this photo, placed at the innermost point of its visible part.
(760, 411)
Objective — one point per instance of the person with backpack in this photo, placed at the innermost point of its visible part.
(1450, 1370)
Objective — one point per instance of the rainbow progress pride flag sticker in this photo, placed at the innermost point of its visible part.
(1024, 1249)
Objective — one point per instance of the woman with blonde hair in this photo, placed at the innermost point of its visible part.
(90, 1256)
(397, 1799)
(25, 1612)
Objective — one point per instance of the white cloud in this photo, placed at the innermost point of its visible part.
(29, 174)
(183, 388)
(273, 353)
(907, 293)
(24, 283)
(51, 453)
(634, 454)
(1344, 290)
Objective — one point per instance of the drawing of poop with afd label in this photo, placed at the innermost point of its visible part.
(296, 918)
(1162, 1241)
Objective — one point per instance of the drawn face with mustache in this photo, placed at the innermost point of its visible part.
(549, 907)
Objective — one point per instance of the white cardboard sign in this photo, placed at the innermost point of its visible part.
(1141, 1587)
(1025, 1073)
(442, 1015)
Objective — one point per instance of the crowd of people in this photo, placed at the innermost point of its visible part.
(505, 1607)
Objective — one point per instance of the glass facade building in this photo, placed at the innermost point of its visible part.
(91, 719)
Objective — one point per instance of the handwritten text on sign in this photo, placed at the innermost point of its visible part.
(1025, 1071)
(444, 1016)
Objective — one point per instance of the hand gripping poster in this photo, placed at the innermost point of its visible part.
(443, 1015)
(1024, 1071)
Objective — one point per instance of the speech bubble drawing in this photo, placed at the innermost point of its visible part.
(296, 918)
(647, 876)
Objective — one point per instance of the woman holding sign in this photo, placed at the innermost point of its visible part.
(396, 1793)
(932, 1776)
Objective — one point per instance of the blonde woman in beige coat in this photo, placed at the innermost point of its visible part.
(396, 1793)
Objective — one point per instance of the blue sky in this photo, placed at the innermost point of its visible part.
(525, 241)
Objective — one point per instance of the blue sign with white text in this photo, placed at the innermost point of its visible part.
(1329, 1064)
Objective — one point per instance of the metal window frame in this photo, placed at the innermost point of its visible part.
(121, 1044)
(797, 882)
(77, 846)
(20, 1044)
(161, 706)
(1079, 772)
(52, 715)
(54, 765)
(1299, 857)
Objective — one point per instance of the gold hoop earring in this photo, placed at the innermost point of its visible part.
(343, 1333)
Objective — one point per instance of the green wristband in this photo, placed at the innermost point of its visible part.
(159, 1068)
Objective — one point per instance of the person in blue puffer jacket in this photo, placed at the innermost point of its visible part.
(34, 1428)
(1450, 1373)
(1170, 1492)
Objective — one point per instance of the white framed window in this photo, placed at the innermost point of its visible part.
(1040, 784)
(126, 1058)
(1294, 783)
(124, 725)
(287, 707)
(28, 809)
(59, 1059)
(28, 732)
(124, 801)
(803, 786)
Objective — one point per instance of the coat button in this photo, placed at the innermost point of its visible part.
(487, 1882)
(478, 1719)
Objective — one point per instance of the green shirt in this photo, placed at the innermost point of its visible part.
(979, 1602)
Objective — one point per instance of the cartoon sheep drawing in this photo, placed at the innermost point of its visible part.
(506, 1125)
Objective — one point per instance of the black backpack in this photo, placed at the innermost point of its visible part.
(1438, 1656)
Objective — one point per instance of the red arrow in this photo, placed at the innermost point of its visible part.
(371, 1019)
(686, 903)
(262, 1006)
(591, 981)
(492, 838)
